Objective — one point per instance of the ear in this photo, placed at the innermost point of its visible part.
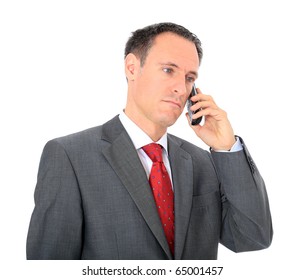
(132, 64)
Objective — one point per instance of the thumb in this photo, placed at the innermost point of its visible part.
(194, 127)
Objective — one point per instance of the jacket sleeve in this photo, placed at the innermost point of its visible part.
(55, 230)
(246, 218)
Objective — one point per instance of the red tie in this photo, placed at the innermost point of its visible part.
(163, 193)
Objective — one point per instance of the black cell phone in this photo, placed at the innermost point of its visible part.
(189, 104)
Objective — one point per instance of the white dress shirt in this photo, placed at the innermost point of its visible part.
(139, 139)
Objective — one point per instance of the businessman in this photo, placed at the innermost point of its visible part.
(129, 190)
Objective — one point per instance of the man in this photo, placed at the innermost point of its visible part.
(96, 197)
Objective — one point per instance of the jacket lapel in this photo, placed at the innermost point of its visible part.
(182, 174)
(125, 161)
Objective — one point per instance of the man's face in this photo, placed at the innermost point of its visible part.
(162, 85)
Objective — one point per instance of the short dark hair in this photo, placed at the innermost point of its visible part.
(142, 40)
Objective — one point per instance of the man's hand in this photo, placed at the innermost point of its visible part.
(216, 131)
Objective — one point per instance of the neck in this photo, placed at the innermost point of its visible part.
(154, 131)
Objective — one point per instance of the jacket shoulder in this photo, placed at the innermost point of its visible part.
(79, 137)
(90, 135)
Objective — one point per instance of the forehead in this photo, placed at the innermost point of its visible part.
(169, 46)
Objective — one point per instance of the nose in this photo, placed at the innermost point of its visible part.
(180, 87)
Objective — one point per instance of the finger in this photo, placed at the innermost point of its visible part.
(217, 114)
(201, 97)
(203, 104)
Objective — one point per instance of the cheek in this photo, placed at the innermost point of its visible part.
(185, 99)
(147, 100)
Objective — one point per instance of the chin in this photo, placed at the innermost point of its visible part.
(169, 120)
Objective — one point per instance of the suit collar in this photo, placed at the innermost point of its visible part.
(112, 129)
(138, 136)
(182, 174)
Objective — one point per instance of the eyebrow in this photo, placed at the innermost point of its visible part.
(195, 73)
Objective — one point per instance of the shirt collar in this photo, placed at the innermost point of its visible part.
(138, 137)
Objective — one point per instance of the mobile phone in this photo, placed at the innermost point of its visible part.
(189, 104)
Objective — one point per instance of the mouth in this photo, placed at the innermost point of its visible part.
(173, 103)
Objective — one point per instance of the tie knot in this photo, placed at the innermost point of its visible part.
(154, 151)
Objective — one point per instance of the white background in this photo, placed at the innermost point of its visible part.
(61, 71)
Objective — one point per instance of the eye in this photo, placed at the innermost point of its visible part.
(168, 70)
(190, 79)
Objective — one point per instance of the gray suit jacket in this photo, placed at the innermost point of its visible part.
(93, 201)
